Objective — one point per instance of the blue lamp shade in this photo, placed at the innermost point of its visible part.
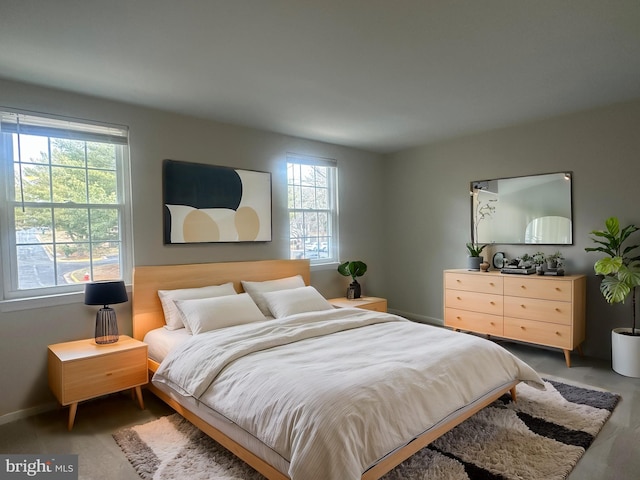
(105, 294)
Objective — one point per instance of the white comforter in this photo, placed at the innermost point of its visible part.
(334, 391)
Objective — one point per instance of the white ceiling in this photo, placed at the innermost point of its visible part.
(381, 75)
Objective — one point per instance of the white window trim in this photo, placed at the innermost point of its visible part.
(62, 294)
(320, 263)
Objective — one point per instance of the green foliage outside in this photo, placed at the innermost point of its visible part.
(63, 180)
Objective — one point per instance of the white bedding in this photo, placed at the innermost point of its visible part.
(333, 391)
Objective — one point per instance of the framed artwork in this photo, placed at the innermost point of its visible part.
(208, 203)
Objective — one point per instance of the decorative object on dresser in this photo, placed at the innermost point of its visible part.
(105, 293)
(353, 269)
(541, 310)
(480, 209)
(498, 260)
(82, 370)
(368, 303)
(620, 279)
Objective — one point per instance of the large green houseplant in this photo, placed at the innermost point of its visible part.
(353, 269)
(620, 272)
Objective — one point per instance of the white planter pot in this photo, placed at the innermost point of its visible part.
(625, 352)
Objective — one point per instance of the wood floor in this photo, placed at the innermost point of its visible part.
(613, 455)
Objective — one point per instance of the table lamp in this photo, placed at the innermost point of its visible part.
(105, 293)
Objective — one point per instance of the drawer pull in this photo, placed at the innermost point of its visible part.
(522, 328)
(522, 306)
(558, 333)
(458, 317)
(458, 298)
(492, 303)
(109, 374)
(523, 287)
(492, 284)
(492, 324)
(558, 289)
(557, 310)
(458, 280)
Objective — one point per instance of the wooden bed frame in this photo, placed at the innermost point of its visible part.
(148, 315)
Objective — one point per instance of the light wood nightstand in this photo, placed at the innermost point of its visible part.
(82, 370)
(368, 303)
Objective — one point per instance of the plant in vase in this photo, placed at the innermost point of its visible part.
(482, 210)
(538, 259)
(620, 279)
(353, 269)
(554, 260)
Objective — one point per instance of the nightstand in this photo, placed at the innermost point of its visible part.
(82, 370)
(368, 303)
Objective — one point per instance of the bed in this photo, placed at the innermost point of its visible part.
(365, 371)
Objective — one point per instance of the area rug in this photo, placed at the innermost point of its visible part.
(541, 436)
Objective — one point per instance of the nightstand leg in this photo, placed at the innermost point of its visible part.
(72, 415)
(140, 399)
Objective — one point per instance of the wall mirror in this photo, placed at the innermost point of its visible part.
(535, 209)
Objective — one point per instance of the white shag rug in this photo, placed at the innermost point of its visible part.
(542, 436)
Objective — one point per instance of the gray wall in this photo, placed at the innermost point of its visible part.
(427, 209)
(406, 215)
(157, 135)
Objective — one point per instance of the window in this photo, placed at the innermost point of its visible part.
(312, 193)
(64, 204)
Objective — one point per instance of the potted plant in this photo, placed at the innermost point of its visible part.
(482, 210)
(620, 273)
(554, 260)
(538, 259)
(353, 269)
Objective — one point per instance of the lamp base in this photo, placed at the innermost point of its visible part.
(106, 326)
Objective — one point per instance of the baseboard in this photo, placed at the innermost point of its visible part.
(438, 322)
(27, 412)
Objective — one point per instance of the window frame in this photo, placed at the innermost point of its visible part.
(332, 210)
(57, 126)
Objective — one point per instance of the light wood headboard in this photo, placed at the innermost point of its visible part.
(147, 280)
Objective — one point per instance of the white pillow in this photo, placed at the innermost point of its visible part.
(258, 289)
(283, 303)
(172, 316)
(205, 314)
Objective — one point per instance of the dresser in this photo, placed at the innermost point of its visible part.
(543, 310)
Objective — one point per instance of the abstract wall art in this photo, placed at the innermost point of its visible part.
(208, 203)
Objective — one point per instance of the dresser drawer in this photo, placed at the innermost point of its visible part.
(543, 333)
(536, 309)
(473, 301)
(90, 377)
(539, 288)
(474, 283)
(473, 321)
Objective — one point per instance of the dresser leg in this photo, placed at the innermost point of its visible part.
(139, 396)
(72, 415)
(567, 357)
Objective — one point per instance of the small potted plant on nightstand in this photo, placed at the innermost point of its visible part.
(353, 269)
